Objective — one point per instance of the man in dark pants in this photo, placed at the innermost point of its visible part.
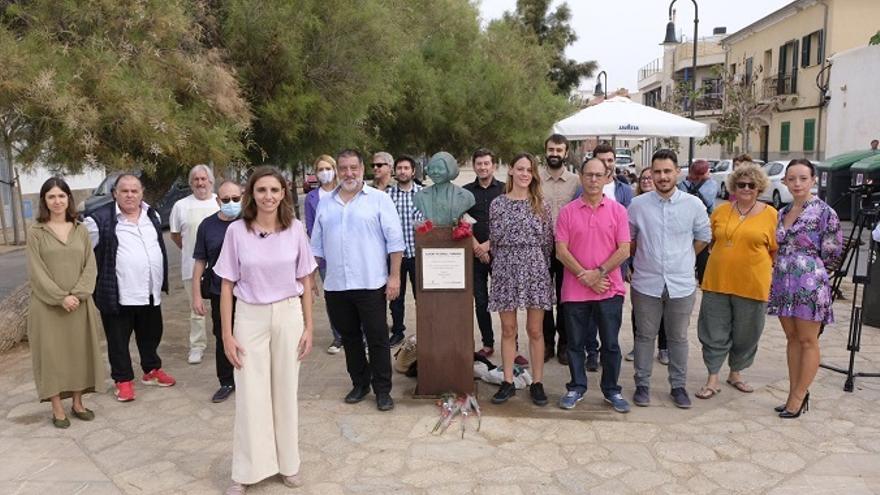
(209, 242)
(485, 188)
(559, 186)
(132, 273)
(356, 228)
(402, 194)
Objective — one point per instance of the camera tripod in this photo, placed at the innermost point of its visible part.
(866, 218)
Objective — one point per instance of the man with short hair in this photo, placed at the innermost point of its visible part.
(700, 184)
(559, 186)
(209, 242)
(402, 196)
(132, 272)
(356, 229)
(669, 227)
(186, 215)
(874, 144)
(485, 188)
(592, 240)
(382, 163)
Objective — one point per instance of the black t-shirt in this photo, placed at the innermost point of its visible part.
(209, 242)
(483, 197)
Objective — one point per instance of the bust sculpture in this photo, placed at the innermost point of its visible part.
(443, 203)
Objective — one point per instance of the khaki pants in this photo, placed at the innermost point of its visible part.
(266, 437)
(198, 339)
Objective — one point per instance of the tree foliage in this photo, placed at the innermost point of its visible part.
(742, 112)
(552, 30)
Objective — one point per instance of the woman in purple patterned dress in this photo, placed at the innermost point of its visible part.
(809, 239)
(521, 239)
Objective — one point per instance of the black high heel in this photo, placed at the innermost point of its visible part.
(805, 406)
(779, 408)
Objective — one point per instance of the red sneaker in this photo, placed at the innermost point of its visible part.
(521, 360)
(125, 391)
(158, 377)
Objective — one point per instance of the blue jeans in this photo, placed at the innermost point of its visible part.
(607, 314)
(322, 271)
(397, 306)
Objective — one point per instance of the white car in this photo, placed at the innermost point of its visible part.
(777, 193)
(723, 169)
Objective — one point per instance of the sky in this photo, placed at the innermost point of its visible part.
(624, 35)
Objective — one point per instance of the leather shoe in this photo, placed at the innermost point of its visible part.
(384, 402)
(562, 357)
(357, 394)
(548, 353)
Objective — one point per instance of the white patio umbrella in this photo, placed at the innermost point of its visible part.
(622, 117)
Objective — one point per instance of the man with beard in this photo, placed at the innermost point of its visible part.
(402, 195)
(559, 186)
(356, 229)
(186, 215)
(669, 228)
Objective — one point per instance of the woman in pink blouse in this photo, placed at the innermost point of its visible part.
(266, 263)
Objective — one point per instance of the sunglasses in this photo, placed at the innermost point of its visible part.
(744, 185)
(377, 165)
(234, 199)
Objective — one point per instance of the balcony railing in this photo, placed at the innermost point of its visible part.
(780, 85)
(706, 102)
(650, 69)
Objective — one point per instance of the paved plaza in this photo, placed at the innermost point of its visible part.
(175, 440)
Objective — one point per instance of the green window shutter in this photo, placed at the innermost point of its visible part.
(784, 138)
(809, 134)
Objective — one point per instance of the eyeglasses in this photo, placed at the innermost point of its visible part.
(744, 185)
(593, 176)
(646, 179)
(377, 165)
(234, 199)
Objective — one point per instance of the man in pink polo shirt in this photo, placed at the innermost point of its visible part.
(592, 240)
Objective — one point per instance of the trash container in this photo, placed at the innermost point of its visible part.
(835, 180)
(865, 183)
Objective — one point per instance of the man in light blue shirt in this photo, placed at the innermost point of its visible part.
(356, 230)
(669, 227)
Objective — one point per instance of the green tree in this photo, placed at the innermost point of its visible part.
(553, 30)
(742, 112)
(120, 85)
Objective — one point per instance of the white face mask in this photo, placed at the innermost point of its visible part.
(326, 176)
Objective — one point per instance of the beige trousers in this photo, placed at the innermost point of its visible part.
(266, 437)
(197, 337)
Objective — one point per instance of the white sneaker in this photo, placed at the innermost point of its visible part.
(334, 348)
(195, 356)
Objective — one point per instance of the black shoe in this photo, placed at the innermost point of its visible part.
(357, 394)
(779, 408)
(680, 398)
(592, 362)
(548, 353)
(384, 402)
(396, 339)
(536, 390)
(805, 406)
(506, 391)
(222, 393)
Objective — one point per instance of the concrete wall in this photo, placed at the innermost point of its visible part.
(855, 105)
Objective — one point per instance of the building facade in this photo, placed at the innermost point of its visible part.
(784, 55)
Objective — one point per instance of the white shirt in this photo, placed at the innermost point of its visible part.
(323, 194)
(608, 191)
(186, 215)
(138, 258)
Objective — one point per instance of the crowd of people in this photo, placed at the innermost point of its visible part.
(558, 244)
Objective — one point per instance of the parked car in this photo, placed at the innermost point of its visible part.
(103, 194)
(776, 194)
(625, 165)
(720, 172)
(310, 182)
(178, 190)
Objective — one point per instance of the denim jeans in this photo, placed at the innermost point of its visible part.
(607, 314)
(322, 270)
(397, 306)
(482, 272)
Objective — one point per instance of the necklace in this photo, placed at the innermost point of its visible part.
(742, 219)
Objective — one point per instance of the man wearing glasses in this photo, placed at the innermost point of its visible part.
(186, 215)
(209, 242)
(382, 163)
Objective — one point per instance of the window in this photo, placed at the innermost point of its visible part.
(785, 127)
(775, 169)
(749, 66)
(809, 134)
(812, 49)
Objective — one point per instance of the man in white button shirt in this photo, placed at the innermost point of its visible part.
(186, 215)
(132, 273)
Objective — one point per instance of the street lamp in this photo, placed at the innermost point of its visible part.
(598, 91)
(670, 40)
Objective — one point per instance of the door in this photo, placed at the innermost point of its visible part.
(765, 142)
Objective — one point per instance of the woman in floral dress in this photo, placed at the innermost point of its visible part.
(521, 236)
(809, 240)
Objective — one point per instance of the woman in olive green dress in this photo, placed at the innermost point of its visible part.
(63, 322)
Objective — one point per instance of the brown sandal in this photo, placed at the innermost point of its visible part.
(707, 392)
(741, 386)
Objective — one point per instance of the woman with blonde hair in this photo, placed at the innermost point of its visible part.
(736, 285)
(521, 235)
(272, 330)
(325, 170)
